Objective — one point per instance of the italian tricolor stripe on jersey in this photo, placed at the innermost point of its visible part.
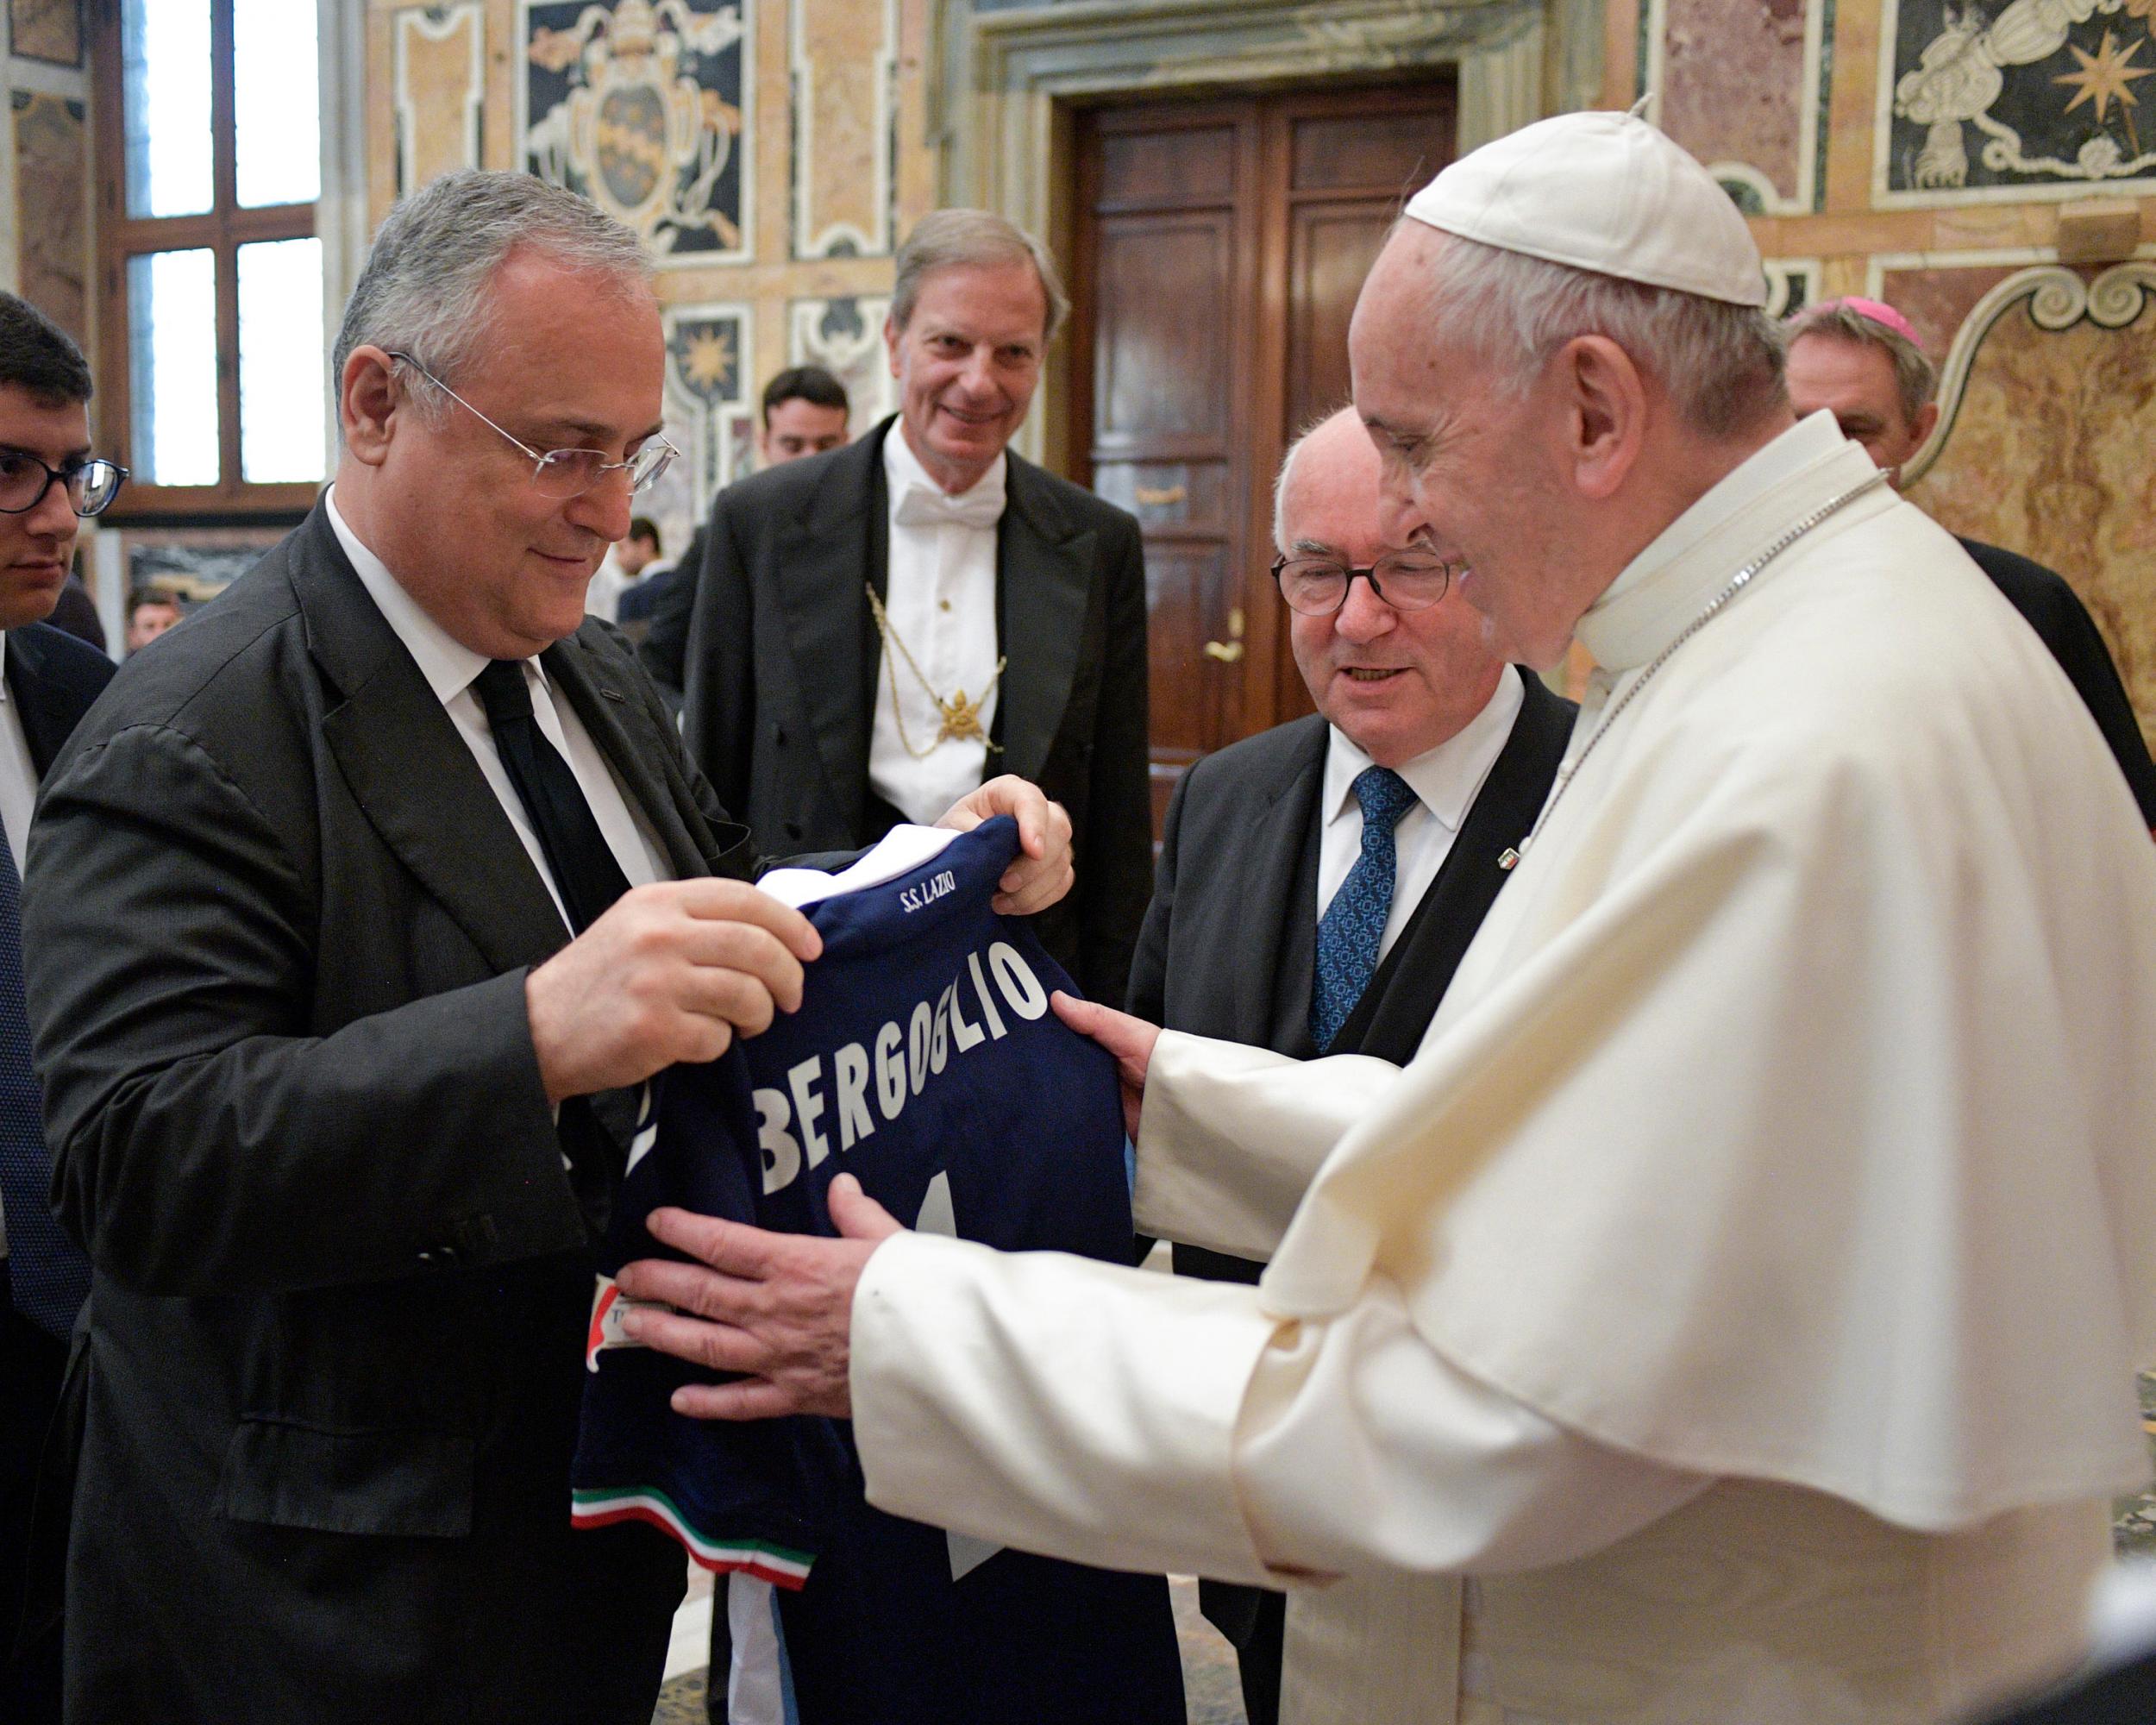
(777, 1564)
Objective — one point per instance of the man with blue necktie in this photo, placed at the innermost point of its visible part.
(1318, 881)
(48, 480)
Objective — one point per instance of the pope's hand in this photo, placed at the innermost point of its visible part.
(776, 1307)
(1041, 873)
(1130, 1040)
(673, 972)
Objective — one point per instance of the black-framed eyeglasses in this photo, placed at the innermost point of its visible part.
(1407, 581)
(24, 479)
(565, 472)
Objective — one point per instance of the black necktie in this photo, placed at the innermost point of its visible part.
(583, 864)
(586, 873)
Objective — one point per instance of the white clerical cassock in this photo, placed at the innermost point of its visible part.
(1742, 1287)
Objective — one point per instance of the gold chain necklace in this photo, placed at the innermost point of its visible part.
(961, 717)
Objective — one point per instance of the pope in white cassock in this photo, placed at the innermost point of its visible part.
(1731, 1313)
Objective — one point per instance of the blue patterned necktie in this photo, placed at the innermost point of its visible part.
(1354, 922)
(48, 1277)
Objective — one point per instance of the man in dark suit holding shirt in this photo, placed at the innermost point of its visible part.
(877, 628)
(49, 478)
(359, 914)
(1319, 882)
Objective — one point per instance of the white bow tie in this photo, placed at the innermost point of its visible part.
(924, 505)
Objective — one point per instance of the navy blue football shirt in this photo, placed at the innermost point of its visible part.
(925, 1062)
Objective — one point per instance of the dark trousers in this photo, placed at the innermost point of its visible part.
(32, 1366)
(1255, 1622)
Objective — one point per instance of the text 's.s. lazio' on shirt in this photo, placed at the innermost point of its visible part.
(925, 1062)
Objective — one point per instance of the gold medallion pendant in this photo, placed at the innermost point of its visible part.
(961, 717)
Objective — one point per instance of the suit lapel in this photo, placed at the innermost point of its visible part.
(1272, 1005)
(1043, 581)
(1396, 1009)
(648, 770)
(410, 771)
(47, 717)
(823, 558)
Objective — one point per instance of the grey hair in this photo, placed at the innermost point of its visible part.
(1720, 364)
(425, 289)
(951, 238)
(1287, 466)
(1915, 378)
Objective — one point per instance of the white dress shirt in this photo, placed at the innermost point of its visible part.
(940, 597)
(450, 667)
(18, 799)
(1446, 780)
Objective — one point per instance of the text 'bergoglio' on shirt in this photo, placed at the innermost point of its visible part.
(925, 1061)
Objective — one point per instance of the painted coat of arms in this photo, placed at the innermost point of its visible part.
(640, 105)
(2030, 99)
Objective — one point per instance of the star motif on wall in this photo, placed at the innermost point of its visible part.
(708, 359)
(2104, 74)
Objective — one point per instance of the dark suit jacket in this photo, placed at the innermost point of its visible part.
(2055, 611)
(53, 679)
(782, 659)
(54, 676)
(1230, 942)
(665, 603)
(278, 929)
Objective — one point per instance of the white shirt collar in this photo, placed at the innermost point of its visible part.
(1446, 779)
(903, 468)
(447, 663)
(1665, 587)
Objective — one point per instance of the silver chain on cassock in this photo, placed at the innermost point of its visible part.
(1511, 857)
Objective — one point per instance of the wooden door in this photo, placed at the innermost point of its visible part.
(1220, 248)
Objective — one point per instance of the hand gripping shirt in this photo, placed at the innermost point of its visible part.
(924, 1060)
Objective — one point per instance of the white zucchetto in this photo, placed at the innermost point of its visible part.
(1607, 192)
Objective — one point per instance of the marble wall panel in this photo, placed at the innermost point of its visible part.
(2037, 99)
(1740, 84)
(845, 336)
(1937, 299)
(2050, 457)
(647, 107)
(844, 60)
(441, 79)
(52, 214)
(48, 31)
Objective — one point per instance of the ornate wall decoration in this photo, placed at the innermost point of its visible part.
(845, 336)
(1792, 285)
(644, 106)
(2046, 371)
(844, 58)
(707, 390)
(2040, 100)
(441, 81)
(49, 30)
(52, 211)
(1743, 84)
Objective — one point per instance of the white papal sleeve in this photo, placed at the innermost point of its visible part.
(1231, 1136)
(1132, 1420)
